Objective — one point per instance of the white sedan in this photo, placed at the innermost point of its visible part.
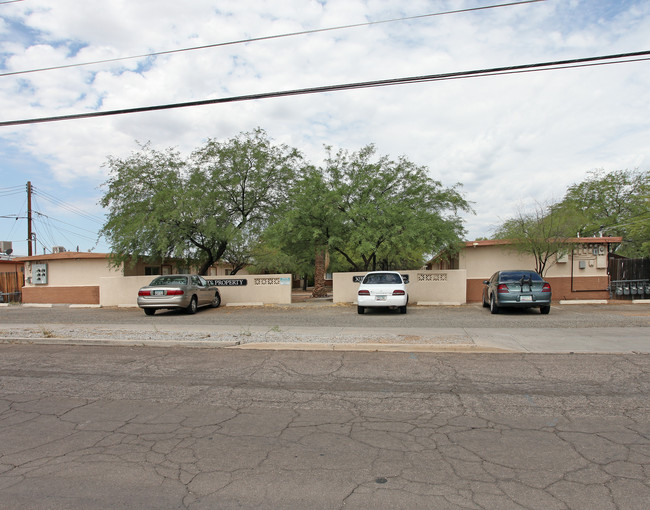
(381, 289)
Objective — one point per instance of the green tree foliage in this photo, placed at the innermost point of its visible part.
(616, 204)
(161, 205)
(543, 233)
(391, 212)
(370, 212)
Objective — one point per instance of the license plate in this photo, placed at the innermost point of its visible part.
(380, 298)
(526, 298)
(158, 292)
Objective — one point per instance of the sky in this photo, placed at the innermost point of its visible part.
(512, 141)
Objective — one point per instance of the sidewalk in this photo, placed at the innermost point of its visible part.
(516, 340)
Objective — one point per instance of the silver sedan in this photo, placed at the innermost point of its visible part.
(178, 291)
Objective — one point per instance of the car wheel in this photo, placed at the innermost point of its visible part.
(149, 311)
(402, 309)
(485, 303)
(493, 305)
(545, 309)
(217, 300)
(360, 310)
(193, 306)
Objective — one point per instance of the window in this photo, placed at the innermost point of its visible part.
(169, 280)
(151, 270)
(380, 278)
(516, 276)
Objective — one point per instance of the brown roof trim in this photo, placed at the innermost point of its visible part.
(576, 240)
(66, 255)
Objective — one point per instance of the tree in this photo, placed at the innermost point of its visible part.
(161, 205)
(251, 179)
(368, 212)
(615, 204)
(312, 220)
(391, 212)
(543, 233)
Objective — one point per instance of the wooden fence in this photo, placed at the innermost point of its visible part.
(10, 287)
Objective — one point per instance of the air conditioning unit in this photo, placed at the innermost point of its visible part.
(5, 246)
(58, 249)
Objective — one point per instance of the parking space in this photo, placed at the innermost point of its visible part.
(326, 314)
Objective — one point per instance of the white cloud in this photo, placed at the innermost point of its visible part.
(510, 139)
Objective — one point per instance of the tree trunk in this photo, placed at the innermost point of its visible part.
(319, 273)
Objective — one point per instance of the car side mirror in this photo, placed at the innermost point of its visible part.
(486, 282)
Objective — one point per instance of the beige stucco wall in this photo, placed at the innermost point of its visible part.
(72, 272)
(266, 289)
(425, 287)
(484, 261)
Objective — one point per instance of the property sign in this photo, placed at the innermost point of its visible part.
(229, 282)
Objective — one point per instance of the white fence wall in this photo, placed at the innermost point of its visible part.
(425, 287)
(259, 289)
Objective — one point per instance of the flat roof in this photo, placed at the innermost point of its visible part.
(66, 255)
(574, 240)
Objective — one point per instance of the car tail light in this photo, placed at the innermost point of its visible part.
(175, 292)
(502, 288)
(546, 287)
(144, 293)
(364, 293)
(398, 293)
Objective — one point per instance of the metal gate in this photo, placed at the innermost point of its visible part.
(629, 278)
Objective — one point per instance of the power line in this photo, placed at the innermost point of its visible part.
(270, 37)
(11, 193)
(64, 222)
(525, 68)
(64, 205)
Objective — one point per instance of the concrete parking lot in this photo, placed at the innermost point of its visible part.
(569, 328)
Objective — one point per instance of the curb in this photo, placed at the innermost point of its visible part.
(196, 344)
(343, 347)
(261, 346)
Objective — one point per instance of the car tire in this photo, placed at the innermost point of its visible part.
(494, 309)
(360, 310)
(485, 303)
(149, 311)
(544, 310)
(193, 306)
(216, 302)
(402, 309)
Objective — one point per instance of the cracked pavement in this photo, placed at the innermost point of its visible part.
(111, 427)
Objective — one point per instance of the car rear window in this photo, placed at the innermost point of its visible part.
(169, 280)
(383, 278)
(515, 276)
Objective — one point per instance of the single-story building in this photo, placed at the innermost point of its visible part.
(66, 277)
(80, 277)
(580, 273)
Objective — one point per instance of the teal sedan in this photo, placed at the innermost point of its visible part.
(517, 289)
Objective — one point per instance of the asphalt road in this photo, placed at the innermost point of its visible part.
(344, 315)
(115, 427)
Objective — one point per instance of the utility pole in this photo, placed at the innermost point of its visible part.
(29, 218)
